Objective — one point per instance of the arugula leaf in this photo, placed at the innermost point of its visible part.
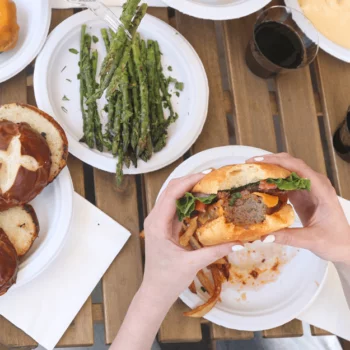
(234, 197)
(95, 39)
(291, 183)
(186, 205)
(179, 86)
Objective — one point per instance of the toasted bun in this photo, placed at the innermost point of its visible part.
(21, 226)
(8, 263)
(219, 231)
(25, 164)
(238, 175)
(44, 125)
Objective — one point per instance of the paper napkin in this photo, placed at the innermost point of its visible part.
(63, 4)
(46, 306)
(330, 310)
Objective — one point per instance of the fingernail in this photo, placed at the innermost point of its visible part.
(259, 159)
(237, 248)
(269, 239)
(207, 171)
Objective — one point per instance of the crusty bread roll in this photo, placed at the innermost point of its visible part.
(8, 263)
(238, 175)
(220, 229)
(46, 126)
(21, 226)
(25, 164)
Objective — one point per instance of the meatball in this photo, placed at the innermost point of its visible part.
(247, 210)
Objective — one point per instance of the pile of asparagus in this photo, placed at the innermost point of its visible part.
(136, 91)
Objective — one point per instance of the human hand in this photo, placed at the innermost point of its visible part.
(326, 231)
(169, 268)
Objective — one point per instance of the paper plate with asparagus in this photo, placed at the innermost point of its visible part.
(127, 106)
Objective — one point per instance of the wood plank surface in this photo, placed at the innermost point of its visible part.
(334, 84)
(291, 329)
(252, 109)
(297, 109)
(124, 276)
(318, 331)
(222, 333)
(97, 313)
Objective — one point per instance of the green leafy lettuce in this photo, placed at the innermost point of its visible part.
(291, 183)
(186, 205)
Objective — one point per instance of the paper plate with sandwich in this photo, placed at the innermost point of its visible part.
(35, 193)
(265, 284)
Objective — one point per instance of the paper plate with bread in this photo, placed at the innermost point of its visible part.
(22, 35)
(35, 203)
(262, 284)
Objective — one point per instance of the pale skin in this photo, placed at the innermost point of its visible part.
(169, 269)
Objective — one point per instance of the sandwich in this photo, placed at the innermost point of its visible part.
(240, 202)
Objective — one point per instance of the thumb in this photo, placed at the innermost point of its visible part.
(208, 255)
(296, 237)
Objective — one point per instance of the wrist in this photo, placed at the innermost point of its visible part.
(157, 294)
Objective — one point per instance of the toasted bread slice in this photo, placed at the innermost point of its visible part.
(46, 126)
(21, 226)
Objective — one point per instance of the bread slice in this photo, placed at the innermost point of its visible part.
(238, 175)
(46, 126)
(219, 231)
(21, 226)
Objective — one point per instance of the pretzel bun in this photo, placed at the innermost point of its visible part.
(238, 175)
(220, 229)
(25, 164)
(44, 125)
(8, 263)
(21, 226)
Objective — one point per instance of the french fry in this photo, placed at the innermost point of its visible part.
(194, 243)
(192, 288)
(202, 310)
(191, 229)
(205, 282)
(221, 261)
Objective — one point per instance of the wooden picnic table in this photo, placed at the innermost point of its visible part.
(297, 113)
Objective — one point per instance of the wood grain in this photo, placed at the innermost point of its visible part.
(291, 329)
(97, 313)
(299, 118)
(215, 132)
(334, 84)
(123, 277)
(253, 114)
(177, 328)
(222, 333)
(318, 331)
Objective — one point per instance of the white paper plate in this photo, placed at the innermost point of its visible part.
(217, 9)
(325, 44)
(54, 210)
(34, 18)
(276, 303)
(50, 85)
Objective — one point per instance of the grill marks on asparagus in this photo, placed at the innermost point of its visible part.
(136, 88)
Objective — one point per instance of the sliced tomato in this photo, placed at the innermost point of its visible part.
(266, 186)
(200, 206)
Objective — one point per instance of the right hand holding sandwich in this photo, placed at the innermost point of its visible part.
(326, 231)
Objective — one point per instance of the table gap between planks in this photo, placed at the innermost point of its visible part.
(297, 113)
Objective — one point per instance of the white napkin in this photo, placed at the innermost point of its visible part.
(63, 4)
(45, 307)
(330, 310)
